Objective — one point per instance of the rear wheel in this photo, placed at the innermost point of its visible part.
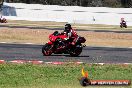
(5, 21)
(76, 51)
(121, 26)
(47, 50)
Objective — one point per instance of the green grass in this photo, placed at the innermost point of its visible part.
(58, 76)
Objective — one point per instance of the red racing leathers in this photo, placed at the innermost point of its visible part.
(72, 35)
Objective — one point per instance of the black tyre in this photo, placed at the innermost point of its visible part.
(121, 26)
(47, 50)
(125, 26)
(76, 52)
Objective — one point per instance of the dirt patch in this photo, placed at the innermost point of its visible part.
(38, 36)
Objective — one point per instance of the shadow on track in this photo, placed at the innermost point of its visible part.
(67, 55)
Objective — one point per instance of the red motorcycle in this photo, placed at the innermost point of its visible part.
(60, 44)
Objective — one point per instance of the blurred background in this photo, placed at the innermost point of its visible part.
(86, 3)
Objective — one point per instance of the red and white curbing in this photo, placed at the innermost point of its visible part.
(79, 62)
(26, 61)
(2, 61)
(55, 63)
(35, 62)
(18, 61)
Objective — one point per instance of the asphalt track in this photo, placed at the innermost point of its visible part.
(10, 52)
(7, 26)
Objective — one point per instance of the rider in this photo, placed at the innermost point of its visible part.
(123, 23)
(71, 33)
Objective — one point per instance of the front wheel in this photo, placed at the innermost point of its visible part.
(125, 26)
(47, 50)
(76, 51)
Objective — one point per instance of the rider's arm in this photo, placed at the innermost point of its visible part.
(74, 33)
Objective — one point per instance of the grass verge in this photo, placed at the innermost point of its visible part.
(59, 76)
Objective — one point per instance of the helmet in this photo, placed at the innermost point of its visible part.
(67, 27)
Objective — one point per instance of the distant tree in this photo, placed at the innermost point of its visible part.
(96, 3)
(86, 3)
(129, 3)
(124, 3)
(111, 3)
(28, 1)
